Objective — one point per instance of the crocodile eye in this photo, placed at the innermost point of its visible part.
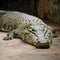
(33, 30)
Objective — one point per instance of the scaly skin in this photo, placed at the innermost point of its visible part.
(29, 28)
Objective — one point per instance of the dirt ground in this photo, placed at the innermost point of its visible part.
(15, 49)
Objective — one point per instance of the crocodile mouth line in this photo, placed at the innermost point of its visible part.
(32, 33)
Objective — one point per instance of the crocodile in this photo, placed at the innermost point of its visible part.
(28, 28)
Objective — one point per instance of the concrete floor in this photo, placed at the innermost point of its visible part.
(15, 49)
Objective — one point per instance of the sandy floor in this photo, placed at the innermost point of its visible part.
(15, 49)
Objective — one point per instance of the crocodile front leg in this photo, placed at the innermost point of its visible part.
(11, 34)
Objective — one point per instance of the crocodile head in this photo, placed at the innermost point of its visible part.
(38, 36)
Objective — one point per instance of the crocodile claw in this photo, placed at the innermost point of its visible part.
(7, 38)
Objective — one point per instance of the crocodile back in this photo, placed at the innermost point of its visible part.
(15, 19)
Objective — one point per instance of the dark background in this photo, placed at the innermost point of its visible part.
(27, 6)
(44, 9)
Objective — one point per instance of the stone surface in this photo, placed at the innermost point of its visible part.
(15, 49)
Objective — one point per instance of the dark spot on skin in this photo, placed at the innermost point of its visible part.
(45, 33)
(45, 38)
(33, 30)
(10, 27)
(30, 24)
(38, 41)
(4, 26)
(26, 23)
(29, 20)
(20, 20)
(26, 20)
(15, 26)
(8, 22)
(49, 33)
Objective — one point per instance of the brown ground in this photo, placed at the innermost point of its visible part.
(15, 49)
